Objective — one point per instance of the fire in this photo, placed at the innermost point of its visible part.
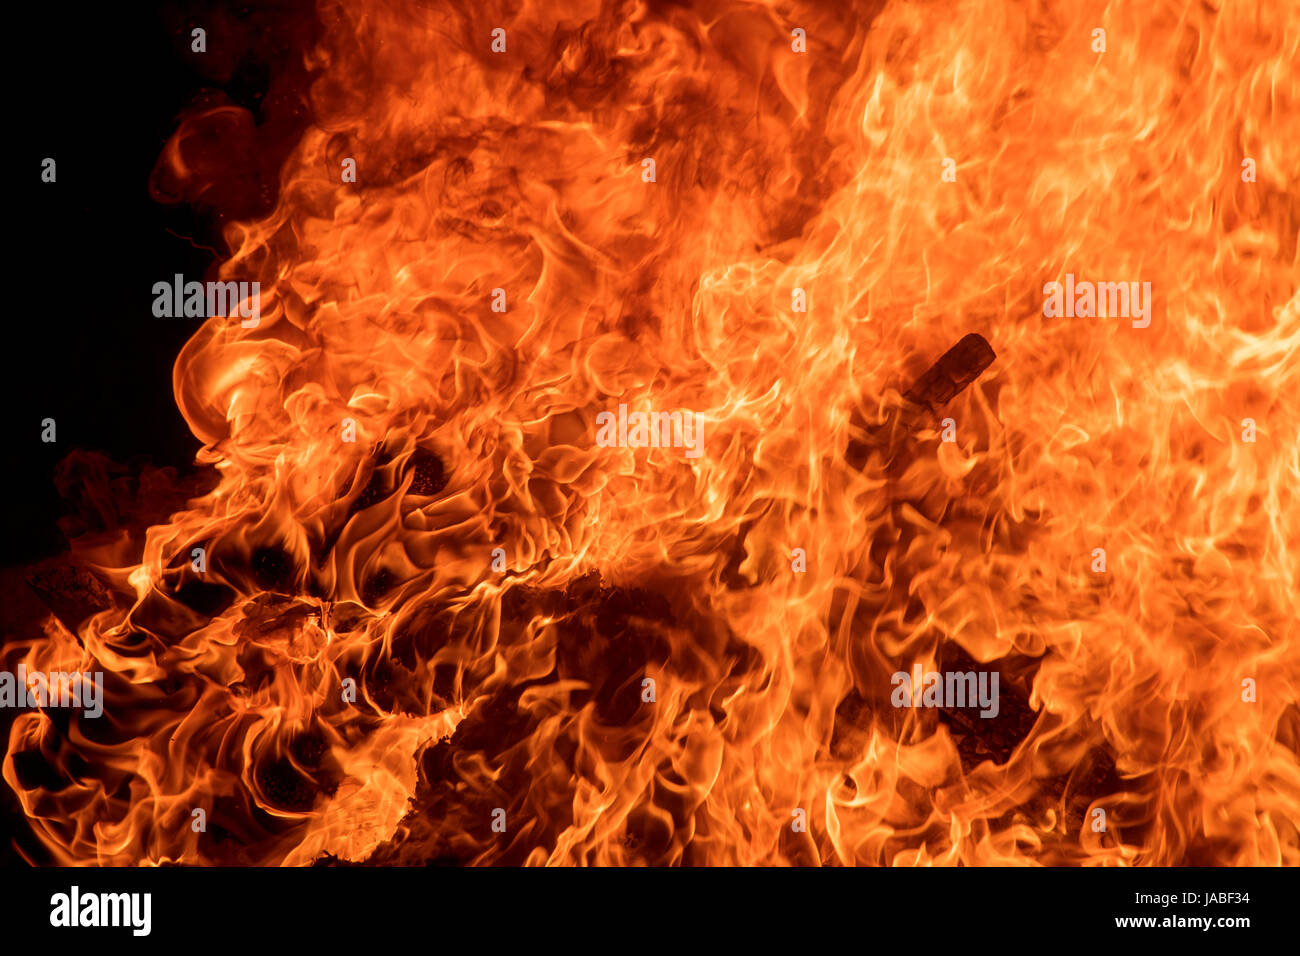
(422, 614)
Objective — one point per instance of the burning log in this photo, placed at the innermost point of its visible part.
(70, 592)
(956, 369)
(980, 739)
(943, 381)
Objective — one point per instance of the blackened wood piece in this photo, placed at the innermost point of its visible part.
(942, 382)
(71, 593)
(956, 369)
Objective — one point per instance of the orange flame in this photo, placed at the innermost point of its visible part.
(677, 660)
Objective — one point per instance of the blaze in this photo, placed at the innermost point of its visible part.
(432, 618)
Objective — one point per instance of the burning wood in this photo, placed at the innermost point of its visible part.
(952, 373)
(943, 381)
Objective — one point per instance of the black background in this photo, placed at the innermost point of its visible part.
(1005, 910)
(100, 90)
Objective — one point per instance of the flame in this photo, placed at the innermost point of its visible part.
(643, 674)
